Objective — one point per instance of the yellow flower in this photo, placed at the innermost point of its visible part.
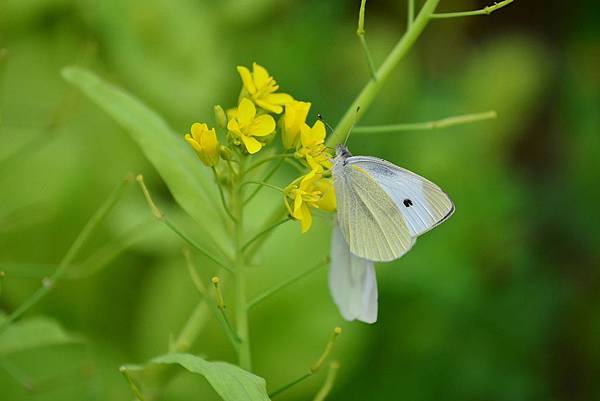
(244, 125)
(205, 143)
(306, 192)
(293, 119)
(259, 86)
(313, 149)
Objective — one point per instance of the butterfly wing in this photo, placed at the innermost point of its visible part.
(423, 204)
(352, 282)
(368, 218)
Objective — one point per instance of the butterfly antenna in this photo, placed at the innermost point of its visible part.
(320, 118)
(352, 126)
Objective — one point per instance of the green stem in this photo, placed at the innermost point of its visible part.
(484, 11)
(291, 384)
(372, 88)
(263, 232)
(411, 13)
(222, 195)
(192, 328)
(281, 156)
(16, 374)
(241, 312)
(329, 380)
(276, 216)
(443, 123)
(266, 178)
(360, 32)
(195, 245)
(161, 217)
(134, 388)
(295, 165)
(315, 368)
(264, 184)
(259, 298)
(219, 313)
(49, 282)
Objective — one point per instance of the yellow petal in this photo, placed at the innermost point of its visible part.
(193, 142)
(271, 108)
(297, 214)
(211, 147)
(293, 119)
(262, 126)
(261, 75)
(319, 132)
(308, 181)
(252, 145)
(246, 79)
(306, 135)
(328, 200)
(245, 112)
(197, 129)
(306, 220)
(234, 127)
(278, 98)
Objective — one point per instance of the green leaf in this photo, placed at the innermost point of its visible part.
(187, 179)
(33, 333)
(229, 381)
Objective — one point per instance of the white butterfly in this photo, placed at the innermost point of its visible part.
(381, 210)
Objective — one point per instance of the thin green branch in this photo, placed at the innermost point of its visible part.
(316, 366)
(410, 13)
(264, 184)
(268, 159)
(289, 385)
(273, 290)
(221, 307)
(94, 263)
(484, 11)
(241, 314)
(207, 301)
(2, 275)
(360, 32)
(294, 164)
(329, 380)
(49, 282)
(134, 388)
(161, 217)
(276, 216)
(16, 374)
(192, 328)
(443, 123)
(263, 232)
(372, 88)
(222, 195)
(266, 178)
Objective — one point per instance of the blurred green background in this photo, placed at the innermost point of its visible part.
(500, 303)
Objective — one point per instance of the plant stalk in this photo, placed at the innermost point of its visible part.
(372, 88)
(241, 310)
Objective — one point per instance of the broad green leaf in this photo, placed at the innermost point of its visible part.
(33, 333)
(229, 381)
(188, 180)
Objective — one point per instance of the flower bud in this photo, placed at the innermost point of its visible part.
(225, 152)
(205, 143)
(220, 116)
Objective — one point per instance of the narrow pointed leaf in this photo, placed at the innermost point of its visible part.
(187, 179)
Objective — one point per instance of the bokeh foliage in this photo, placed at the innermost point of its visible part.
(499, 303)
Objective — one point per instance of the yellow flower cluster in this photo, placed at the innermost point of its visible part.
(251, 126)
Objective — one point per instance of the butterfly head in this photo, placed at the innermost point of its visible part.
(342, 152)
